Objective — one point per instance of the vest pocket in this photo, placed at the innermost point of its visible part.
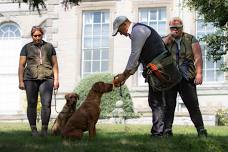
(45, 71)
(187, 69)
(31, 72)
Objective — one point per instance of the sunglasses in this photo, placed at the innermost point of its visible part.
(37, 35)
(175, 28)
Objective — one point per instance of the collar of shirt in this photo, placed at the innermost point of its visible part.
(130, 30)
(178, 41)
(38, 45)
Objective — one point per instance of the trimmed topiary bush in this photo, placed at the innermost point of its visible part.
(108, 100)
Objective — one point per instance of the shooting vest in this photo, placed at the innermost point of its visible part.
(183, 56)
(38, 61)
(158, 67)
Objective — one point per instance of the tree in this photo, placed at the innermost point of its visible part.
(216, 12)
(36, 4)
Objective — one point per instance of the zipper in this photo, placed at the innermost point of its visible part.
(40, 52)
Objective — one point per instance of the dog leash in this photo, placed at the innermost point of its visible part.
(121, 93)
(55, 93)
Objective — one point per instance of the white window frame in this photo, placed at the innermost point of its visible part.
(9, 32)
(100, 48)
(141, 80)
(206, 30)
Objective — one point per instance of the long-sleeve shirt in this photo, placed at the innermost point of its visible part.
(138, 36)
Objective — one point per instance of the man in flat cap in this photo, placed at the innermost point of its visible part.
(187, 55)
(148, 49)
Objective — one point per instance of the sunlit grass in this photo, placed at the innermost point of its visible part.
(115, 138)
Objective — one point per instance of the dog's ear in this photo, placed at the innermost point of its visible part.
(97, 87)
(76, 96)
(67, 96)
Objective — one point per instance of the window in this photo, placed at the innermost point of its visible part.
(10, 46)
(95, 42)
(155, 18)
(9, 31)
(211, 72)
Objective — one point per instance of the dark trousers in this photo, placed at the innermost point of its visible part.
(187, 91)
(45, 88)
(156, 103)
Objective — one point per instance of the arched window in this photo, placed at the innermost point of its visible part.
(10, 46)
(9, 31)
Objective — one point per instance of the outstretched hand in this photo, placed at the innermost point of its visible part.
(119, 80)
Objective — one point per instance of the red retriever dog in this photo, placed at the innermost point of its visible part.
(86, 116)
(65, 114)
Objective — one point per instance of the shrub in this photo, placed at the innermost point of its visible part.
(222, 117)
(108, 100)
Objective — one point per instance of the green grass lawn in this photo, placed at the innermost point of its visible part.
(15, 137)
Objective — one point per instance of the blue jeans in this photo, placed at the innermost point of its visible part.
(45, 88)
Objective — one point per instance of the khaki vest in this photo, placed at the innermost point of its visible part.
(186, 59)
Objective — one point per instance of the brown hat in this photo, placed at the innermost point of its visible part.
(176, 22)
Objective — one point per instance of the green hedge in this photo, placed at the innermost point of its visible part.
(222, 117)
(108, 100)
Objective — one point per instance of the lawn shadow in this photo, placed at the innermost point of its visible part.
(122, 140)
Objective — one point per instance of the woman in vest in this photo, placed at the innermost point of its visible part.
(146, 46)
(38, 73)
(187, 55)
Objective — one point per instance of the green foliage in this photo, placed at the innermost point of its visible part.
(70, 2)
(108, 99)
(222, 116)
(216, 12)
(37, 4)
(33, 4)
(215, 43)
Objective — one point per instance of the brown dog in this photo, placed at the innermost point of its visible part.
(65, 114)
(86, 117)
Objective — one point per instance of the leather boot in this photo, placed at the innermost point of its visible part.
(202, 132)
(34, 131)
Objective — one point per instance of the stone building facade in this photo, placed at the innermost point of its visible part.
(84, 45)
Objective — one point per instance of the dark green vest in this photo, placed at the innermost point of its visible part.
(38, 68)
(185, 58)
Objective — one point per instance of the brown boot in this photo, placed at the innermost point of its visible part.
(34, 131)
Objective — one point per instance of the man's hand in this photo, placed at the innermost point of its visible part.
(198, 79)
(119, 80)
